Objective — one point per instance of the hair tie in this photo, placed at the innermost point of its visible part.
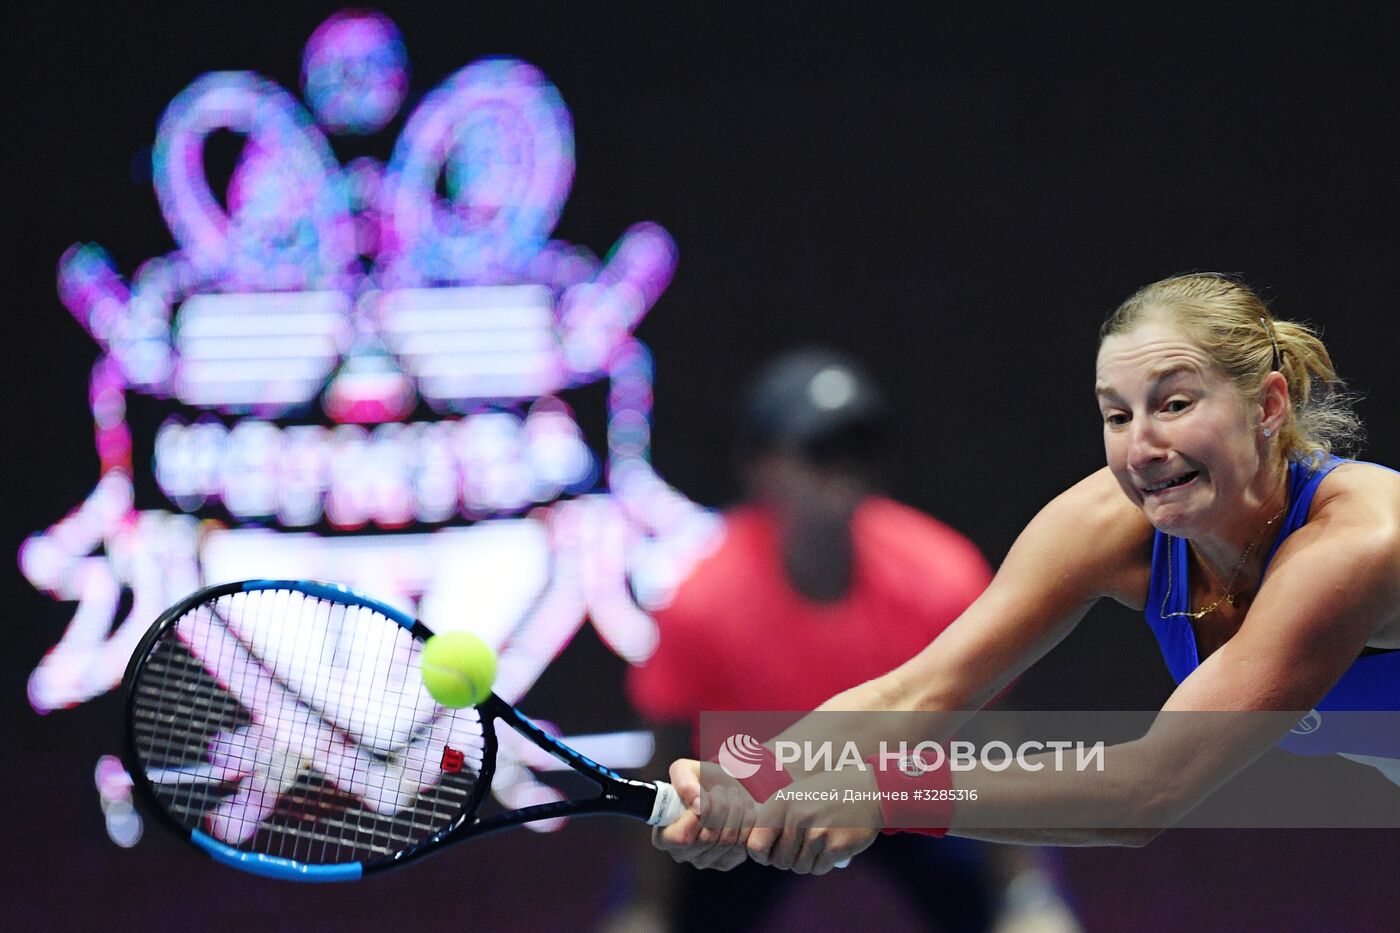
(1278, 357)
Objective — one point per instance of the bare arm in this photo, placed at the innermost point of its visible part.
(1332, 588)
(1334, 584)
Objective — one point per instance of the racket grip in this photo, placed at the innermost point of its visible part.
(668, 808)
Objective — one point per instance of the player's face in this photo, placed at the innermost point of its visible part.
(1178, 438)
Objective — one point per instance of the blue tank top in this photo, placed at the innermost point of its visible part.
(1371, 683)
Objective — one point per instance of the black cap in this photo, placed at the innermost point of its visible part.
(809, 398)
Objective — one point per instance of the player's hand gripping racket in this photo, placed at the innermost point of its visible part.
(283, 727)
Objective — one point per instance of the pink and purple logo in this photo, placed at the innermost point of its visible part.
(369, 373)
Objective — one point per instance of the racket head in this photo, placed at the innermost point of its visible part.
(282, 727)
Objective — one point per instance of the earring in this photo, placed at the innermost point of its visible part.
(1268, 432)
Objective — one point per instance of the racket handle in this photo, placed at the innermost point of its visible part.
(668, 808)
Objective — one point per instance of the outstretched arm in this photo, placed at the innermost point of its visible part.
(1332, 587)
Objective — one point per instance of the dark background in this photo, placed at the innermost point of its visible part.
(956, 194)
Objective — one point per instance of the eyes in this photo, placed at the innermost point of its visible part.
(1174, 405)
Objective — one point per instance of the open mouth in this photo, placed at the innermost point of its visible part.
(1181, 480)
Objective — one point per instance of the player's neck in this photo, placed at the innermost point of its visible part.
(1241, 549)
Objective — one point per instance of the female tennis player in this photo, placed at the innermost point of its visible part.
(1269, 571)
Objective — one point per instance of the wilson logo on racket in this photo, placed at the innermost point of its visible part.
(740, 756)
(453, 761)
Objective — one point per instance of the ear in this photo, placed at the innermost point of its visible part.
(1273, 402)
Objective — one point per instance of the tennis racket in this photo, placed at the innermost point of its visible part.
(283, 728)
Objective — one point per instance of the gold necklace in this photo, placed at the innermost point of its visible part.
(1230, 597)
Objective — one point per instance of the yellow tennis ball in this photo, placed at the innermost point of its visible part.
(458, 668)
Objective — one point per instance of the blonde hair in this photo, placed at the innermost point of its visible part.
(1231, 323)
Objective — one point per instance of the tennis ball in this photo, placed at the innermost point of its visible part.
(458, 668)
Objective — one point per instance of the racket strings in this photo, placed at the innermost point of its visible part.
(288, 725)
(308, 812)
